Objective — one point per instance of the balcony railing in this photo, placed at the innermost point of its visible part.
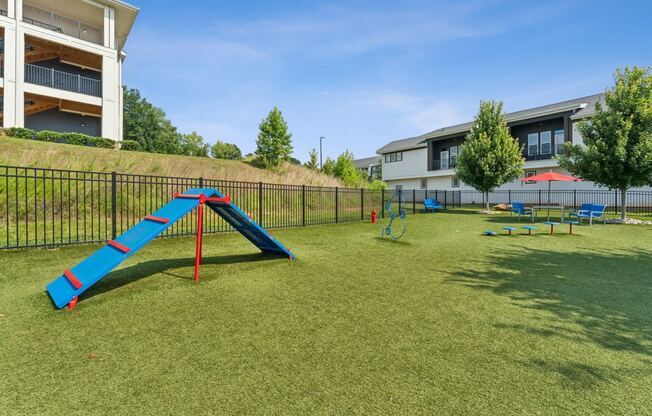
(57, 23)
(62, 80)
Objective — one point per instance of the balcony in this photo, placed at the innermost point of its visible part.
(438, 165)
(62, 24)
(52, 78)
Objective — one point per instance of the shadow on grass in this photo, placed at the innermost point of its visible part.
(602, 298)
(389, 240)
(145, 269)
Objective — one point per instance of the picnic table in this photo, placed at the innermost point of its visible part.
(548, 208)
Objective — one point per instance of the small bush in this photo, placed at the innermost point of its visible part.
(21, 133)
(131, 145)
(102, 142)
(78, 139)
(50, 136)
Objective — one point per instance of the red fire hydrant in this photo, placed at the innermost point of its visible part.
(374, 216)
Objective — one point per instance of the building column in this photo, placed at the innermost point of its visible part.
(110, 97)
(109, 27)
(14, 68)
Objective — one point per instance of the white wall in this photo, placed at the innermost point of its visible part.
(414, 164)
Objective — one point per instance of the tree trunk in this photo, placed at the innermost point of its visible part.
(623, 204)
(486, 201)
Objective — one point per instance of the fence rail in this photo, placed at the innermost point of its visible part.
(47, 19)
(50, 207)
(638, 202)
(53, 78)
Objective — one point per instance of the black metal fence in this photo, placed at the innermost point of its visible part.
(51, 207)
(638, 202)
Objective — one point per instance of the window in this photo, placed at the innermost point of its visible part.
(393, 157)
(453, 156)
(532, 144)
(559, 142)
(528, 174)
(424, 183)
(545, 138)
(444, 159)
(455, 182)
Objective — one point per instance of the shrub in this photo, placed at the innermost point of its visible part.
(21, 133)
(102, 142)
(131, 145)
(78, 139)
(50, 136)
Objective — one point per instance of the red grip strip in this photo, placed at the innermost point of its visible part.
(157, 219)
(119, 246)
(73, 279)
(187, 196)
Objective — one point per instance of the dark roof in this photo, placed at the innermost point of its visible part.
(585, 106)
(366, 162)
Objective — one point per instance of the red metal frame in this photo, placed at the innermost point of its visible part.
(198, 246)
(72, 303)
(119, 246)
(157, 219)
(73, 279)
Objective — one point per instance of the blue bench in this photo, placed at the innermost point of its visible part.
(431, 204)
(519, 209)
(529, 229)
(590, 211)
(490, 233)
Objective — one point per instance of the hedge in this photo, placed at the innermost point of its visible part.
(78, 139)
(131, 145)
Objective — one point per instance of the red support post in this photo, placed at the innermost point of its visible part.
(72, 303)
(200, 225)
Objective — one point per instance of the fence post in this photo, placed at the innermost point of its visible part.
(509, 197)
(539, 196)
(414, 203)
(114, 207)
(337, 203)
(615, 201)
(382, 203)
(575, 198)
(201, 182)
(260, 203)
(361, 204)
(303, 205)
(446, 200)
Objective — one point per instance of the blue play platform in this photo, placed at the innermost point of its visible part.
(66, 288)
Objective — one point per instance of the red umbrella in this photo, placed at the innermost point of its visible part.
(551, 176)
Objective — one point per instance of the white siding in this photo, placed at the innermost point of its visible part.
(414, 164)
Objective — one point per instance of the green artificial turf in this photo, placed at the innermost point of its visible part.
(444, 321)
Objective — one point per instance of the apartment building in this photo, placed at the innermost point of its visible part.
(428, 161)
(61, 64)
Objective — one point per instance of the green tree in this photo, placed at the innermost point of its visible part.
(346, 170)
(378, 170)
(617, 150)
(490, 157)
(329, 167)
(274, 144)
(223, 150)
(146, 124)
(312, 163)
(193, 145)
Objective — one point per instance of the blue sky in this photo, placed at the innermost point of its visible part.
(364, 73)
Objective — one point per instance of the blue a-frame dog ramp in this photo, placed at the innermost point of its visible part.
(65, 289)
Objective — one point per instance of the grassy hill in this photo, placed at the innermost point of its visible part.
(20, 152)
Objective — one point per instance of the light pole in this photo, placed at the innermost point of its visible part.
(321, 165)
